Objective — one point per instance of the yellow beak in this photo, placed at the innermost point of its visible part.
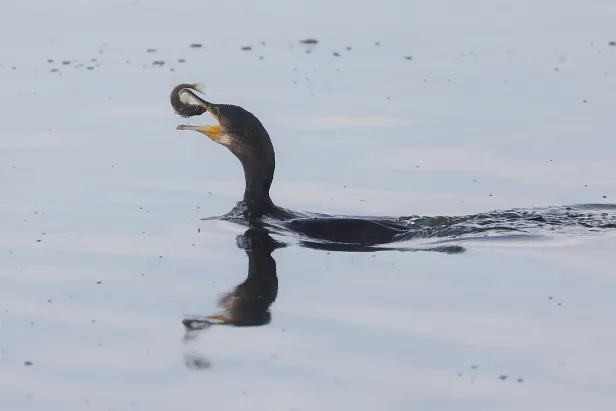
(211, 131)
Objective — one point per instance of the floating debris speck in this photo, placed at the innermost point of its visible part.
(309, 41)
(196, 45)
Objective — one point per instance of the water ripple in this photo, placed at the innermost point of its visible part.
(578, 219)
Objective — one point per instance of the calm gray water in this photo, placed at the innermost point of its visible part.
(462, 107)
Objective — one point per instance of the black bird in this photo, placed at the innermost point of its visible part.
(244, 135)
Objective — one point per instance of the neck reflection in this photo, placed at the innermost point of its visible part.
(247, 305)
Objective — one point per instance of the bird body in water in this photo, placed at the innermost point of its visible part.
(246, 137)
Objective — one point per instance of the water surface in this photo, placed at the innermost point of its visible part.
(501, 107)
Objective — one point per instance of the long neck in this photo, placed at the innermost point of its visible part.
(259, 178)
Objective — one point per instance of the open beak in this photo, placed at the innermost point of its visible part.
(213, 132)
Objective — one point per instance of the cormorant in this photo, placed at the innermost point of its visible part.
(244, 135)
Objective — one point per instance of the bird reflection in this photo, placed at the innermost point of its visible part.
(247, 305)
(358, 248)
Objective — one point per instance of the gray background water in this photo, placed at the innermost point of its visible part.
(503, 104)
